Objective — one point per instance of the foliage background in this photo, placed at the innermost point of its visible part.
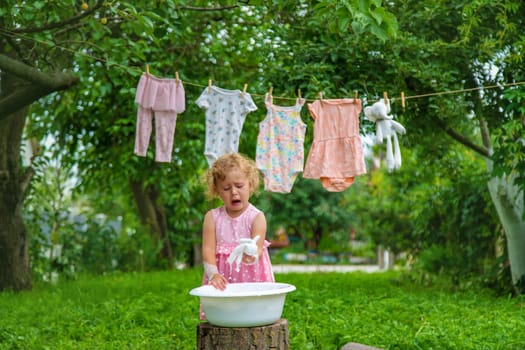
(436, 208)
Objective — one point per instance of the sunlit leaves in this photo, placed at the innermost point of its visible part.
(331, 46)
(358, 17)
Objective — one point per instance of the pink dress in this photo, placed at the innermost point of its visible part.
(336, 156)
(228, 232)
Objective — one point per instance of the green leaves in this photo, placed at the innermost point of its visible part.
(357, 16)
(420, 47)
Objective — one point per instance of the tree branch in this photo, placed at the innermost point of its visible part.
(485, 135)
(57, 24)
(42, 85)
(70, 28)
(26, 180)
(28, 95)
(20, 98)
(462, 139)
(28, 73)
(478, 108)
(11, 41)
(193, 8)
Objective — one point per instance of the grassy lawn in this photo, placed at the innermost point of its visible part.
(155, 311)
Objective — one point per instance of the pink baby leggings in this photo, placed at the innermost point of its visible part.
(159, 100)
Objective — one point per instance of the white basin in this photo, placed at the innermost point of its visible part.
(243, 304)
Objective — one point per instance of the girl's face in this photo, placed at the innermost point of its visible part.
(234, 191)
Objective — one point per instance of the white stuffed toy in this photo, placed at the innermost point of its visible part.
(386, 128)
(246, 246)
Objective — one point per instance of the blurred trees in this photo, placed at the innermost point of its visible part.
(426, 49)
(442, 57)
(102, 47)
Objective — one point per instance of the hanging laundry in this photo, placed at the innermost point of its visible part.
(336, 155)
(162, 99)
(280, 145)
(226, 112)
(386, 128)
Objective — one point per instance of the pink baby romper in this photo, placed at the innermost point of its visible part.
(280, 146)
(228, 232)
(336, 155)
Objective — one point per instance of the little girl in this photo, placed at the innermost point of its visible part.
(233, 178)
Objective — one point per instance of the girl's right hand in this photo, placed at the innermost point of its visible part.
(218, 281)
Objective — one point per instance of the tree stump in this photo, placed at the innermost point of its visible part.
(357, 346)
(271, 337)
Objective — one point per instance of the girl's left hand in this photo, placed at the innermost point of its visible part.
(248, 259)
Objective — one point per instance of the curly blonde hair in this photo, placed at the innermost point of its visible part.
(224, 164)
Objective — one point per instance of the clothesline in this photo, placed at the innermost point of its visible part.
(402, 97)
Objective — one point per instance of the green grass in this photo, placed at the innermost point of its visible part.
(155, 311)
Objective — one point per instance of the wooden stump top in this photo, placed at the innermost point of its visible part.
(357, 346)
(272, 337)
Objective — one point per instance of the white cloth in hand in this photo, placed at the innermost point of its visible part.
(246, 246)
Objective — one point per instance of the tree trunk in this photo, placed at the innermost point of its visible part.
(508, 201)
(271, 337)
(20, 85)
(15, 273)
(153, 216)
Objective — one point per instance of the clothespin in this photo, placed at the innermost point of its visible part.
(403, 99)
(385, 97)
(321, 95)
(355, 96)
(209, 86)
(299, 93)
(147, 69)
(177, 76)
(244, 89)
(270, 91)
